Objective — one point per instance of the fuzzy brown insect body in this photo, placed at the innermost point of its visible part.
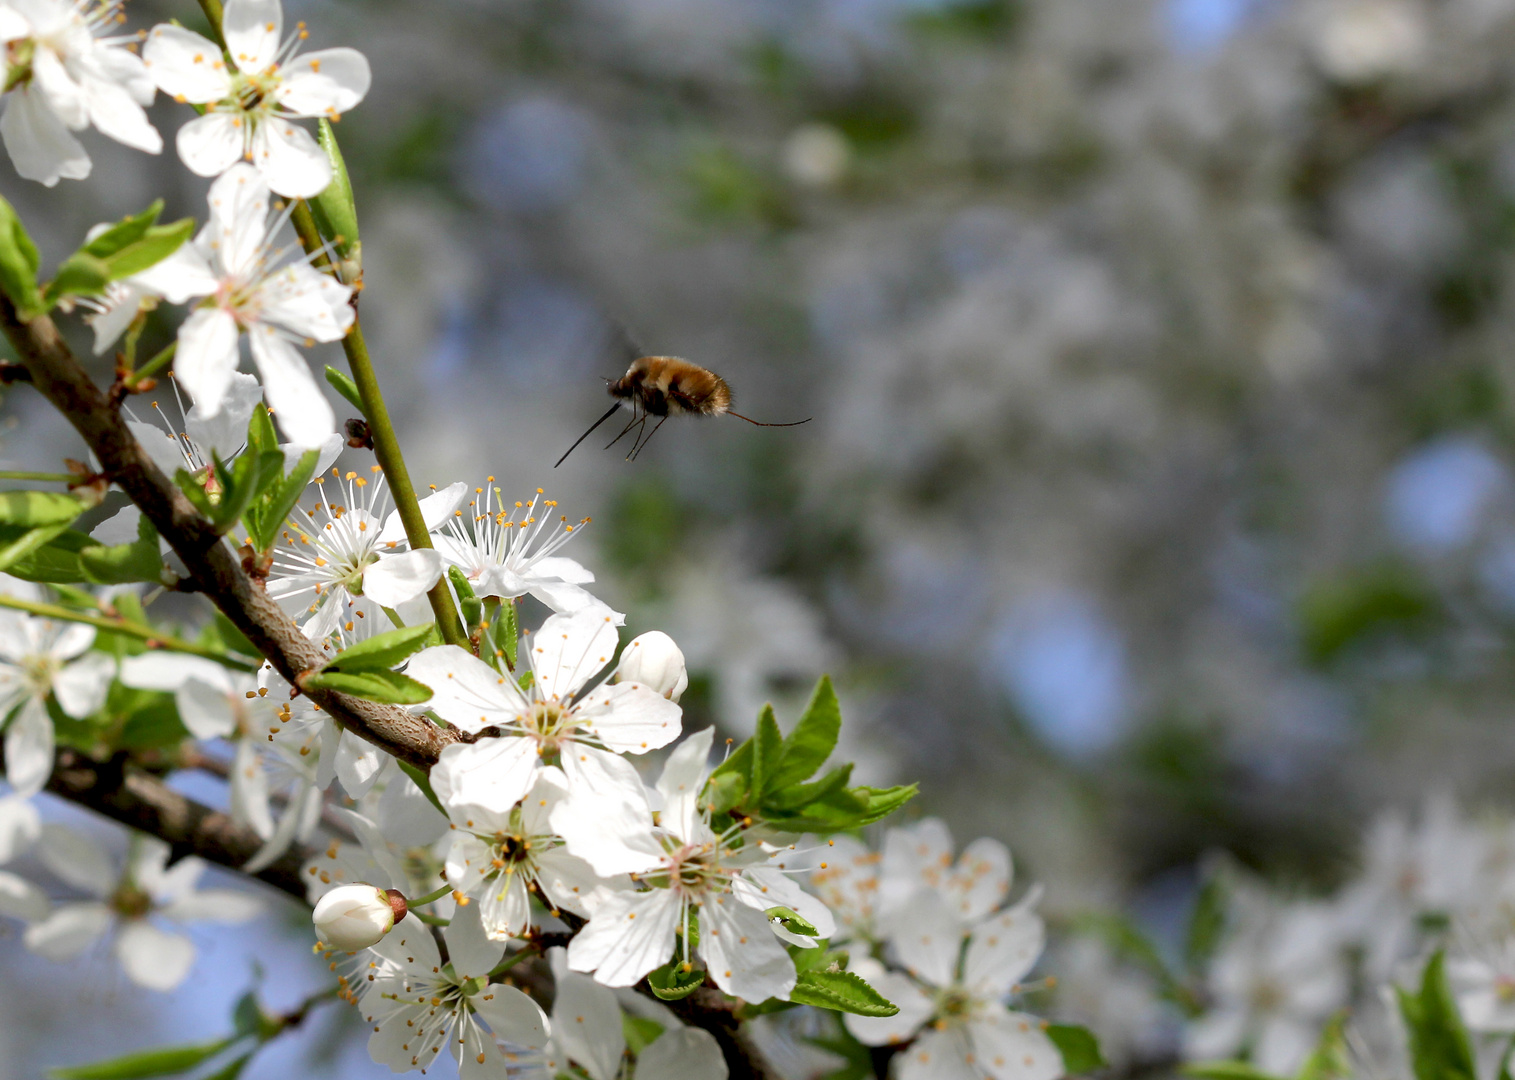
(664, 386)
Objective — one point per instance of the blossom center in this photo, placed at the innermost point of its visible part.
(131, 902)
(39, 670)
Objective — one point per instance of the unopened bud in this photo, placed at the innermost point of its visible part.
(653, 660)
(353, 917)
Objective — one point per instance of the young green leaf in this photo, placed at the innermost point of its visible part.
(639, 1031)
(792, 922)
(160, 1061)
(18, 264)
(344, 385)
(1078, 1046)
(1328, 1061)
(81, 274)
(469, 605)
(507, 632)
(841, 991)
(767, 749)
(671, 983)
(811, 742)
(1206, 922)
(798, 796)
(126, 231)
(335, 211)
(37, 508)
(266, 517)
(155, 245)
(1226, 1070)
(119, 564)
(28, 543)
(387, 686)
(1439, 1045)
(383, 651)
(260, 430)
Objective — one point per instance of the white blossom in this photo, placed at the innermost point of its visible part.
(556, 716)
(353, 917)
(69, 73)
(251, 102)
(128, 905)
(42, 658)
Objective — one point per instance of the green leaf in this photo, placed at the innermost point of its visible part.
(124, 232)
(1079, 1047)
(344, 385)
(811, 742)
(469, 605)
(841, 991)
(18, 264)
(266, 517)
(244, 480)
(884, 801)
(36, 508)
(819, 957)
(1226, 1070)
(233, 1068)
(335, 211)
(160, 1061)
(725, 790)
(156, 244)
(121, 563)
(1328, 1061)
(81, 274)
(1439, 1045)
(670, 982)
(639, 1031)
(260, 430)
(158, 725)
(27, 543)
(387, 686)
(422, 781)
(507, 632)
(792, 922)
(1206, 923)
(859, 1061)
(383, 651)
(798, 796)
(768, 748)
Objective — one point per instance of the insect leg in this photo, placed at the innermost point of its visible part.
(638, 449)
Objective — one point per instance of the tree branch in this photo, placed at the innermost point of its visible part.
(125, 793)
(216, 568)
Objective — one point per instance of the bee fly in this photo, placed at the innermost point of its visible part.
(665, 386)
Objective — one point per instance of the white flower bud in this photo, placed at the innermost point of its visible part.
(353, 917)
(653, 660)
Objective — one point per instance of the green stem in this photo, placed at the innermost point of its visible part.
(525, 952)
(157, 363)
(122, 626)
(46, 477)
(212, 9)
(429, 898)
(432, 920)
(386, 445)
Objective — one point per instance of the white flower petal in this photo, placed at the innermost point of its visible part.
(63, 93)
(680, 783)
(206, 357)
(1002, 950)
(939, 1055)
(249, 790)
(115, 112)
(928, 939)
(20, 826)
(71, 640)
(151, 957)
(512, 1016)
(913, 1002)
(468, 947)
(684, 1052)
(465, 690)
(210, 144)
(306, 302)
(252, 29)
(395, 579)
(38, 142)
(77, 860)
(1013, 1046)
(324, 82)
(238, 223)
(630, 934)
(409, 946)
(298, 404)
(491, 775)
(184, 64)
(606, 820)
(123, 301)
(586, 1021)
(568, 650)
(225, 906)
(743, 956)
(126, 68)
(762, 889)
(29, 748)
(169, 671)
(21, 899)
(629, 718)
(289, 159)
(68, 931)
(358, 764)
(205, 709)
(81, 686)
(226, 431)
(182, 276)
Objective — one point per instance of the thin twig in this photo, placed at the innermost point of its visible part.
(155, 638)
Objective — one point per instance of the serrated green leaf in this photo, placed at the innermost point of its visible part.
(126, 231)
(18, 264)
(387, 686)
(33, 509)
(507, 632)
(671, 983)
(81, 274)
(260, 430)
(841, 991)
(1226, 1070)
(767, 749)
(344, 385)
(798, 796)
(119, 564)
(160, 1061)
(155, 245)
(1439, 1045)
(807, 747)
(243, 481)
(639, 1031)
(884, 801)
(1078, 1046)
(266, 517)
(383, 651)
(818, 957)
(791, 921)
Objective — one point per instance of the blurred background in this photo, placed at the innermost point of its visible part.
(1158, 497)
